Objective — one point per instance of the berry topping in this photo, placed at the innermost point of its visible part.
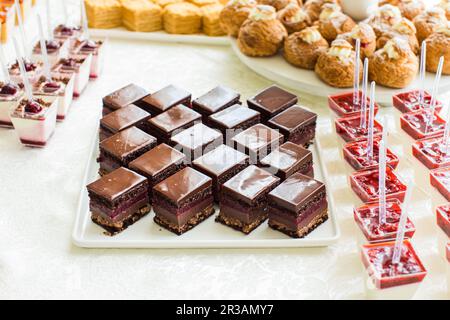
(90, 45)
(51, 86)
(9, 89)
(66, 30)
(68, 62)
(52, 45)
(33, 107)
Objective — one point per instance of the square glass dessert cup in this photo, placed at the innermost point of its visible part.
(56, 50)
(415, 124)
(356, 154)
(443, 227)
(342, 105)
(349, 129)
(35, 129)
(34, 71)
(367, 219)
(448, 269)
(365, 185)
(440, 179)
(432, 152)
(68, 33)
(10, 94)
(386, 281)
(60, 88)
(7, 15)
(97, 48)
(80, 67)
(409, 101)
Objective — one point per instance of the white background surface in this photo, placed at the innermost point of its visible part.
(39, 191)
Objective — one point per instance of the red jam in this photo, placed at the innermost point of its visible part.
(52, 45)
(440, 179)
(419, 120)
(89, 46)
(409, 101)
(381, 260)
(50, 87)
(443, 218)
(9, 89)
(444, 177)
(350, 130)
(343, 104)
(367, 217)
(33, 107)
(435, 150)
(360, 160)
(29, 66)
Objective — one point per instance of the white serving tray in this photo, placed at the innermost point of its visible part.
(159, 36)
(277, 69)
(209, 234)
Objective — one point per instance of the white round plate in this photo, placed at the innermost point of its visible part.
(277, 69)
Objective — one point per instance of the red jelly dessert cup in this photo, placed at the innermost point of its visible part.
(443, 218)
(440, 179)
(367, 218)
(342, 104)
(432, 153)
(414, 124)
(355, 153)
(409, 101)
(349, 129)
(377, 259)
(365, 185)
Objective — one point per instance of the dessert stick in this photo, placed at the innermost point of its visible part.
(434, 94)
(371, 121)
(363, 123)
(382, 177)
(84, 21)
(402, 227)
(446, 137)
(49, 20)
(26, 82)
(5, 70)
(47, 72)
(65, 12)
(423, 70)
(356, 76)
(22, 31)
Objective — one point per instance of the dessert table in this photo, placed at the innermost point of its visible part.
(39, 192)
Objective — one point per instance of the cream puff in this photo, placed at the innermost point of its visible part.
(294, 18)
(384, 19)
(332, 22)
(409, 8)
(303, 48)
(262, 34)
(279, 4)
(428, 22)
(234, 14)
(364, 32)
(336, 67)
(438, 45)
(445, 5)
(314, 7)
(395, 65)
(404, 29)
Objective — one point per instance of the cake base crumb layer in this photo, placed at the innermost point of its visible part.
(194, 221)
(303, 232)
(239, 225)
(111, 229)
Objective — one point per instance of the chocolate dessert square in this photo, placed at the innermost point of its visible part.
(215, 100)
(118, 200)
(122, 148)
(196, 141)
(221, 164)
(122, 119)
(297, 124)
(171, 122)
(298, 206)
(165, 99)
(233, 120)
(158, 164)
(183, 200)
(257, 141)
(243, 202)
(272, 101)
(123, 97)
(288, 159)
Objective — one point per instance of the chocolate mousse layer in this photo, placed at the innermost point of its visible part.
(123, 97)
(165, 99)
(272, 101)
(215, 100)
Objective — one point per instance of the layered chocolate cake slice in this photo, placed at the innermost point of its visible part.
(288, 159)
(272, 101)
(164, 99)
(123, 97)
(158, 164)
(122, 148)
(244, 202)
(183, 200)
(297, 124)
(298, 206)
(122, 119)
(221, 164)
(118, 200)
(214, 101)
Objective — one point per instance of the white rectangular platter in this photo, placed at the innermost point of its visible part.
(209, 234)
(159, 36)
